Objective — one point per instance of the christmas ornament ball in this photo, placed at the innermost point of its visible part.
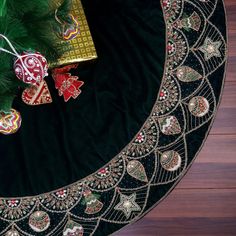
(199, 106)
(39, 221)
(31, 67)
(170, 160)
(10, 122)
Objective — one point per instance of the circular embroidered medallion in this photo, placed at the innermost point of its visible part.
(199, 106)
(39, 221)
(170, 160)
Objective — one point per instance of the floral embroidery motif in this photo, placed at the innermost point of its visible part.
(62, 199)
(144, 142)
(108, 176)
(177, 48)
(168, 97)
(172, 9)
(12, 209)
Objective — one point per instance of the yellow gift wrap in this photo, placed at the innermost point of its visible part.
(81, 48)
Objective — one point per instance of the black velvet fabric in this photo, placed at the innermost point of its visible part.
(61, 143)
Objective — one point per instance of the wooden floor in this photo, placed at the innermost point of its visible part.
(208, 191)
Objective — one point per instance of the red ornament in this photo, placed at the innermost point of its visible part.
(31, 68)
(67, 85)
(37, 94)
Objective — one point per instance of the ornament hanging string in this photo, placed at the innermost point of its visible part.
(15, 53)
(56, 17)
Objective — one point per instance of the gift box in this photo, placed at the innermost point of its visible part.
(81, 47)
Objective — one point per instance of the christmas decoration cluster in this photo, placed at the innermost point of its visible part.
(27, 49)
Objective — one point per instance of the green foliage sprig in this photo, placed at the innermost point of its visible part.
(28, 25)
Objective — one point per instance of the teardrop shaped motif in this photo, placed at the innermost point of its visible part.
(12, 232)
(188, 74)
(137, 171)
(169, 125)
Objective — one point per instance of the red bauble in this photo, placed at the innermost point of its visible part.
(31, 67)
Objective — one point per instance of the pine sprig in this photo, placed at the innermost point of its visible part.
(28, 25)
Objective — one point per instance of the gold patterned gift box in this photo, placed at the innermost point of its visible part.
(81, 48)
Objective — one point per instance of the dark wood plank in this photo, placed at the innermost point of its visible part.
(180, 226)
(226, 115)
(218, 149)
(192, 212)
(215, 166)
(231, 69)
(182, 203)
(210, 175)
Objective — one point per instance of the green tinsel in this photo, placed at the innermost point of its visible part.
(28, 25)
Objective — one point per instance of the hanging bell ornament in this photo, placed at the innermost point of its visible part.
(31, 67)
(73, 229)
(93, 205)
